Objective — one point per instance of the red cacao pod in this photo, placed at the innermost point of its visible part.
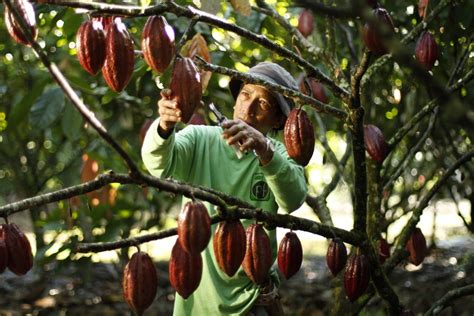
(316, 89)
(185, 270)
(90, 42)
(26, 10)
(186, 87)
(258, 254)
(336, 256)
(299, 136)
(416, 246)
(158, 43)
(384, 250)
(194, 227)
(306, 23)
(3, 251)
(140, 282)
(105, 21)
(371, 38)
(229, 246)
(375, 143)
(119, 60)
(20, 257)
(356, 276)
(426, 50)
(290, 255)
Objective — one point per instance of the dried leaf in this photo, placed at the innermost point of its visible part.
(241, 6)
(197, 46)
(422, 6)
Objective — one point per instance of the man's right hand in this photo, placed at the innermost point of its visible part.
(169, 113)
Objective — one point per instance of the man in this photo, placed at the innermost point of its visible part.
(267, 179)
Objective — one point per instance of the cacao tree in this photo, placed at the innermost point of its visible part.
(392, 81)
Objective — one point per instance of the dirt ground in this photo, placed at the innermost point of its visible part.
(95, 289)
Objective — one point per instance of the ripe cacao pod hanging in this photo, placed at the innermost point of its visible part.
(229, 246)
(290, 255)
(105, 21)
(316, 89)
(336, 256)
(194, 227)
(371, 38)
(185, 270)
(119, 60)
(90, 42)
(3, 251)
(426, 50)
(375, 143)
(384, 250)
(140, 282)
(356, 276)
(26, 10)
(20, 257)
(306, 23)
(186, 87)
(258, 254)
(158, 43)
(416, 246)
(299, 136)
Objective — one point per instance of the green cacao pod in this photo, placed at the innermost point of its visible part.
(186, 87)
(26, 10)
(258, 254)
(90, 42)
(194, 227)
(185, 270)
(229, 246)
(119, 60)
(299, 136)
(140, 282)
(20, 257)
(290, 255)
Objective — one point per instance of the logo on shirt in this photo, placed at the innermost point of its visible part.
(259, 190)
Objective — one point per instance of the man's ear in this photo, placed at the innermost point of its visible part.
(280, 121)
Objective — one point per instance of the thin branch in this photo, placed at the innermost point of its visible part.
(294, 94)
(446, 300)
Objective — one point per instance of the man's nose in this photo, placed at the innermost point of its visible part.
(250, 107)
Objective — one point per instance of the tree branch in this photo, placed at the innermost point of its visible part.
(441, 304)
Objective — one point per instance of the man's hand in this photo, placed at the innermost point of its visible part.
(169, 113)
(247, 138)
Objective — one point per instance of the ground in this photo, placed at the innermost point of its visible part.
(95, 289)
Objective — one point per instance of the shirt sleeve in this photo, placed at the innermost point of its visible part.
(165, 157)
(285, 179)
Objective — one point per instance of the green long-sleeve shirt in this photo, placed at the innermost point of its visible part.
(198, 154)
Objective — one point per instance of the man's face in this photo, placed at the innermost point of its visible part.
(256, 106)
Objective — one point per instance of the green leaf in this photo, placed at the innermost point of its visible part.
(71, 123)
(20, 109)
(211, 6)
(47, 108)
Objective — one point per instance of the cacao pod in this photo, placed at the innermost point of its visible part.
(416, 246)
(3, 251)
(426, 50)
(306, 23)
(371, 38)
(27, 12)
(186, 87)
(356, 276)
(105, 21)
(375, 143)
(119, 60)
(290, 255)
(90, 42)
(194, 227)
(197, 46)
(299, 136)
(229, 246)
(316, 89)
(158, 43)
(185, 270)
(146, 125)
(140, 282)
(383, 249)
(258, 254)
(336, 256)
(20, 257)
